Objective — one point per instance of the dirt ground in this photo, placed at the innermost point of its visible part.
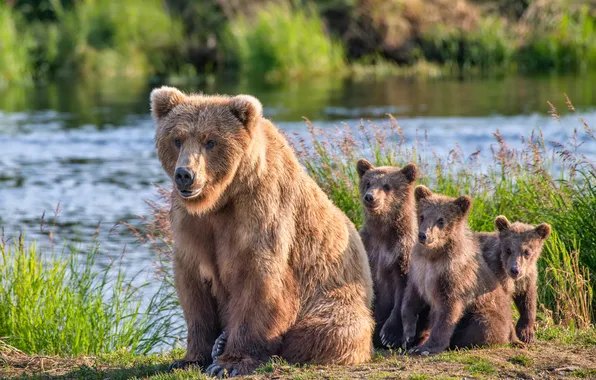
(538, 361)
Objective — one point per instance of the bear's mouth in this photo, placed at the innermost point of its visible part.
(371, 206)
(189, 194)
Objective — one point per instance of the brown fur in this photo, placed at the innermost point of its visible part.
(260, 250)
(468, 306)
(517, 245)
(388, 234)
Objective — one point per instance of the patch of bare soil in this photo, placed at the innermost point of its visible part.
(538, 361)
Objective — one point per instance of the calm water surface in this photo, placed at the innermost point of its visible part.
(89, 146)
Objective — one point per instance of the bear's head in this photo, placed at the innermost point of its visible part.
(521, 245)
(440, 218)
(384, 189)
(201, 141)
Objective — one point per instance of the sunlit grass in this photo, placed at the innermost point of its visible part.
(63, 304)
(283, 43)
(15, 63)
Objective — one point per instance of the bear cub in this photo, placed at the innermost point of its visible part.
(468, 305)
(388, 234)
(512, 253)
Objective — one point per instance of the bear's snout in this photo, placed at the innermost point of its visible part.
(184, 179)
(514, 271)
(422, 237)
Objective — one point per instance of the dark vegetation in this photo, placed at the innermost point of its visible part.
(283, 39)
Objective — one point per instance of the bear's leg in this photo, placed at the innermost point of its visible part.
(444, 319)
(412, 307)
(392, 330)
(525, 300)
(383, 305)
(200, 313)
(338, 331)
(481, 330)
(257, 315)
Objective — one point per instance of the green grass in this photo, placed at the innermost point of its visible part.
(283, 43)
(487, 48)
(561, 39)
(63, 305)
(115, 38)
(522, 360)
(285, 40)
(479, 366)
(15, 63)
(584, 373)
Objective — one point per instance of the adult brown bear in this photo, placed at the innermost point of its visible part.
(259, 249)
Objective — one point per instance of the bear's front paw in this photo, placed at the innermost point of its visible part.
(228, 368)
(407, 342)
(390, 335)
(525, 334)
(219, 346)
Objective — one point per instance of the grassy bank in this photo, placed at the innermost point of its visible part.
(62, 304)
(281, 40)
(552, 359)
(60, 318)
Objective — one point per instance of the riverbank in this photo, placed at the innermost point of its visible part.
(60, 305)
(279, 41)
(553, 359)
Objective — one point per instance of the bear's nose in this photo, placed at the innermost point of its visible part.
(369, 197)
(184, 178)
(514, 271)
(422, 237)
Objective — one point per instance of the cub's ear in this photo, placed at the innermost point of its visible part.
(362, 166)
(543, 230)
(164, 99)
(247, 109)
(422, 192)
(410, 171)
(464, 203)
(502, 223)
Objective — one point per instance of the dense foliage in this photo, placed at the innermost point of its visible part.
(50, 38)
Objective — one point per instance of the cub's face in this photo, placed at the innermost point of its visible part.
(201, 141)
(521, 245)
(439, 216)
(385, 188)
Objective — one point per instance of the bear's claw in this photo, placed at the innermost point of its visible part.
(219, 346)
(217, 370)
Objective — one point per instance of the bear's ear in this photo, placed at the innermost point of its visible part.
(362, 166)
(247, 109)
(422, 192)
(502, 223)
(164, 99)
(410, 171)
(464, 203)
(543, 230)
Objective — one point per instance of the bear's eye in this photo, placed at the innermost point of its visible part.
(386, 187)
(209, 144)
(177, 143)
(441, 222)
(421, 218)
(367, 185)
(527, 253)
(508, 252)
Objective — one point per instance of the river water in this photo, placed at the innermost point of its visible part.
(89, 146)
